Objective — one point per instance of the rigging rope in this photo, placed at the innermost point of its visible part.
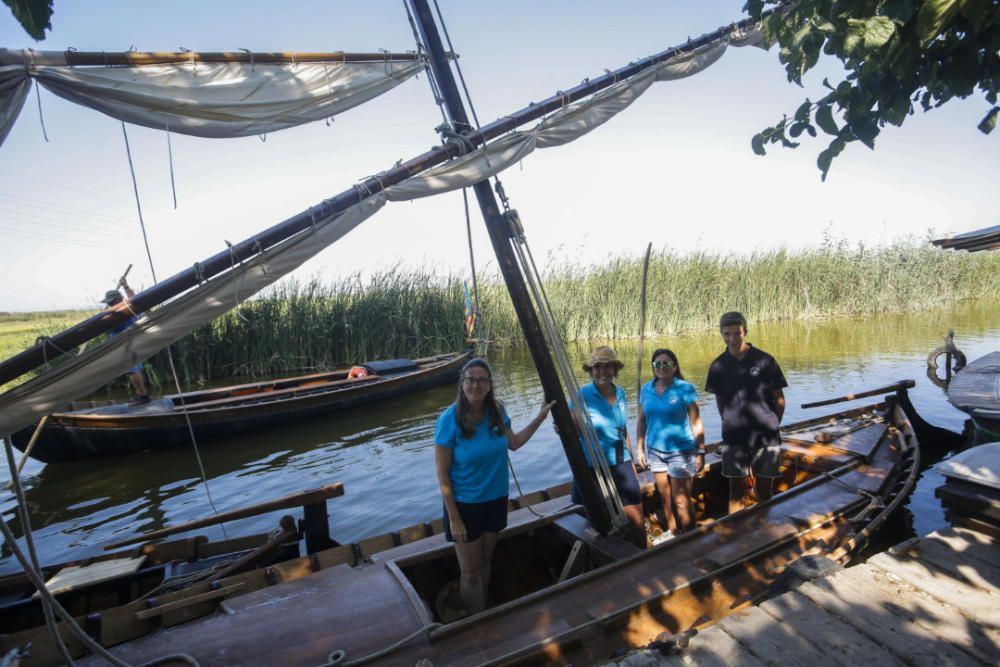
(33, 572)
(22, 513)
(170, 356)
(529, 271)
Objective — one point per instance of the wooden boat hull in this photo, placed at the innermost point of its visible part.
(976, 390)
(549, 606)
(71, 436)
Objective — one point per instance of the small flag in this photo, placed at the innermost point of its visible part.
(470, 313)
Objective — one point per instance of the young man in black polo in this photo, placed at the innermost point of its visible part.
(747, 383)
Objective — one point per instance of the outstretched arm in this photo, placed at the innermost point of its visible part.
(516, 440)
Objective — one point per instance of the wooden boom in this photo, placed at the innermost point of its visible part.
(902, 384)
(294, 500)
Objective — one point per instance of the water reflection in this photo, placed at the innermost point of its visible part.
(382, 453)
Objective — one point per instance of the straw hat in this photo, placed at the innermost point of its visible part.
(605, 355)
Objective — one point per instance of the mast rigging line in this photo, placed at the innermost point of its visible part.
(51, 347)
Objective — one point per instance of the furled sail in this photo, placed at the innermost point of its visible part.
(563, 126)
(214, 99)
(157, 329)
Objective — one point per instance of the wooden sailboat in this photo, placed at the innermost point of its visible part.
(90, 431)
(565, 588)
(561, 592)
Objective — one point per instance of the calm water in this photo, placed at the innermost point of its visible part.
(384, 456)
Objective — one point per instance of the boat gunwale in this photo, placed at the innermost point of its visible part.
(70, 419)
(655, 551)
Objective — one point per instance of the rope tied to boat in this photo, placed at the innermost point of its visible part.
(338, 658)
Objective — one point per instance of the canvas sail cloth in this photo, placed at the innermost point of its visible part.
(159, 328)
(214, 100)
(563, 126)
(85, 373)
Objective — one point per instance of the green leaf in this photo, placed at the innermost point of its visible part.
(796, 129)
(823, 26)
(753, 8)
(826, 157)
(757, 144)
(802, 113)
(801, 35)
(933, 17)
(990, 121)
(33, 15)
(877, 31)
(824, 118)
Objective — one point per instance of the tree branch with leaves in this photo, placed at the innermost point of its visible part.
(897, 54)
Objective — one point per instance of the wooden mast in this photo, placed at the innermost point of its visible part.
(51, 347)
(500, 236)
(29, 57)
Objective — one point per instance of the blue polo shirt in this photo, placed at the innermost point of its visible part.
(668, 424)
(609, 421)
(478, 464)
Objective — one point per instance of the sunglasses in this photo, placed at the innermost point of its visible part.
(663, 364)
(601, 365)
(472, 382)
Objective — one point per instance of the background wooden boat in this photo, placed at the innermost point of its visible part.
(976, 390)
(120, 429)
(560, 593)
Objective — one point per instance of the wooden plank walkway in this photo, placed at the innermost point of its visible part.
(931, 601)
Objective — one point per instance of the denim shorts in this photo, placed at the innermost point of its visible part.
(679, 465)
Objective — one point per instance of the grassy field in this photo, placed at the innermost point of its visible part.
(413, 312)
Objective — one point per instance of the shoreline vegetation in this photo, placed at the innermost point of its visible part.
(412, 312)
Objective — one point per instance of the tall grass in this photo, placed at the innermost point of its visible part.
(412, 312)
(397, 312)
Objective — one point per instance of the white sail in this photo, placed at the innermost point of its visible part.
(213, 99)
(159, 328)
(561, 127)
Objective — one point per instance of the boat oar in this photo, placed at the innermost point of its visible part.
(642, 324)
(31, 443)
(902, 384)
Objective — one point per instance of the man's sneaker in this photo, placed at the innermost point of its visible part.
(139, 400)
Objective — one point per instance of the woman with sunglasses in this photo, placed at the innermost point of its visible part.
(671, 438)
(472, 438)
(606, 405)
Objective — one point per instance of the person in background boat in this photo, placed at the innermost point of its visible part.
(748, 386)
(671, 438)
(605, 402)
(472, 438)
(111, 299)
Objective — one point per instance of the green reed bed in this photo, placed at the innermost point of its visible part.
(413, 312)
(687, 292)
(304, 326)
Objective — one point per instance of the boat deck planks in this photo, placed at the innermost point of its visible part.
(935, 601)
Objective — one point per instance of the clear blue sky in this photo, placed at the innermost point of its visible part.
(675, 169)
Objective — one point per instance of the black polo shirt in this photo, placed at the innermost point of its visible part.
(746, 389)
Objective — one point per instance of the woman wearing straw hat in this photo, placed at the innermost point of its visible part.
(472, 438)
(606, 405)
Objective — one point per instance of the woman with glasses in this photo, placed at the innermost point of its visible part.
(671, 438)
(605, 402)
(472, 438)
